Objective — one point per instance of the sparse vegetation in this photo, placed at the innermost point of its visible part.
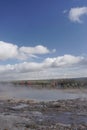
(57, 83)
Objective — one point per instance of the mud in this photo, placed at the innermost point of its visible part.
(52, 115)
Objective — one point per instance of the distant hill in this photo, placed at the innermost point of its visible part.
(54, 83)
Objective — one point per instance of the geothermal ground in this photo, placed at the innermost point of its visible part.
(50, 115)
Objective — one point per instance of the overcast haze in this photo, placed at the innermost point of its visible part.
(43, 39)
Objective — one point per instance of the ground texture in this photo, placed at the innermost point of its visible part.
(53, 115)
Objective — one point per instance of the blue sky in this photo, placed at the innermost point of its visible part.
(56, 29)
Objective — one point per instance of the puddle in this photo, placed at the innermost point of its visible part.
(64, 118)
(20, 106)
(23, 92)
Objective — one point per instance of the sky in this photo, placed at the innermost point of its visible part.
(43, 39)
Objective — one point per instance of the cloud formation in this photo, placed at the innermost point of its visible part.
(11, 51)
(62, 61)
(8, 50)
(76, 13)
(55, 67)
(66, 66)
(57, 62)
(34, 50)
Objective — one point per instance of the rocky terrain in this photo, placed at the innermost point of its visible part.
(52, 115)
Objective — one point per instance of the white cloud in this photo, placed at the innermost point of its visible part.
(56, 67)
(65, 60)
(76, 13)
(57, 62)
(66, 66)
(11, 51)
(8, 50)
(34, 50)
